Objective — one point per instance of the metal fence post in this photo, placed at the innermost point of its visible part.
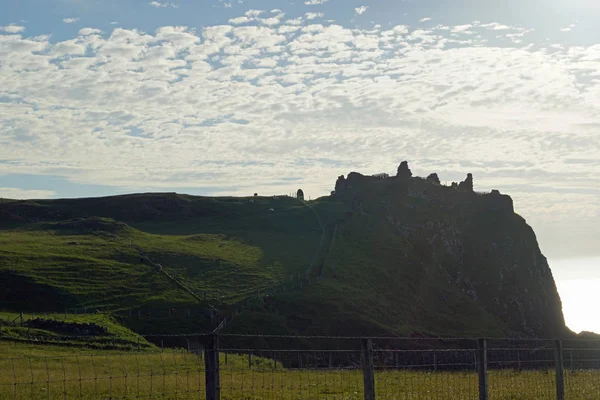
(482, 369)
(560, 372)
(211, 366)
(367, 365)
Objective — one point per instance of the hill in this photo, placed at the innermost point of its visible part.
(85, 253)
(414, 257)
(390, 256)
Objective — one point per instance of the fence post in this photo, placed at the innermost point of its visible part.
(482, 369)
(560, 372)
(138, 344)
(211, 366)
(249, 361)
(367, 365)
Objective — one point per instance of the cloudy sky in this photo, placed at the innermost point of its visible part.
(217, 97)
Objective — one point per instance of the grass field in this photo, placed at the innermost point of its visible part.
(114, 334)
(30, 372)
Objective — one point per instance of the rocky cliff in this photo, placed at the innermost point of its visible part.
(457, 260)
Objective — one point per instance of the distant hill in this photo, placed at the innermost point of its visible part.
(390, 256)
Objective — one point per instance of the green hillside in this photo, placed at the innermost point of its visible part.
(380, 256)
(64, 254)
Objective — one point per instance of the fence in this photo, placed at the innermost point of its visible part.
(232, 367)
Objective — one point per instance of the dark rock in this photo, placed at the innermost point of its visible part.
(467, 184)
(433, 178)
(403, 170)
(340, 184)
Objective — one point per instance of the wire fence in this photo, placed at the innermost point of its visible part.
(247, 367)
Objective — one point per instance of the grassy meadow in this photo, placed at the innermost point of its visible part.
(75, 373)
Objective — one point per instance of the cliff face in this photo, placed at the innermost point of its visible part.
(449, 252)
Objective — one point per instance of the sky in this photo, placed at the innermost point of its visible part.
(218, 97)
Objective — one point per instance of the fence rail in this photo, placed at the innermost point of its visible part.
(245, 367)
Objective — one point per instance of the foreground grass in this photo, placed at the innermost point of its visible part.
(59, 373)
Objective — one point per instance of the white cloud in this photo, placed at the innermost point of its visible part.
(461, 28)
(270, 21)
(295, 21)
(12, 28)
(568, 29)
(89, 31)
(425, 19)
(164, 5)
(70, 20)
(22, 194)
(254, 13)
(312, 15)
(239, 20)
(315, 2)
(361, 10)
(289, 103)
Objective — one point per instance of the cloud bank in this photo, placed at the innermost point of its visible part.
(264, 104)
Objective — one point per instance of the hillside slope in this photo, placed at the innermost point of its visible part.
(67, 253)
(414, 257)
(380, 256)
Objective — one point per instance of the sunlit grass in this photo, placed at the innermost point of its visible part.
(59, 373)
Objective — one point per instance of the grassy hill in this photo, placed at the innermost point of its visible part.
(59, 254)
(383, 256)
